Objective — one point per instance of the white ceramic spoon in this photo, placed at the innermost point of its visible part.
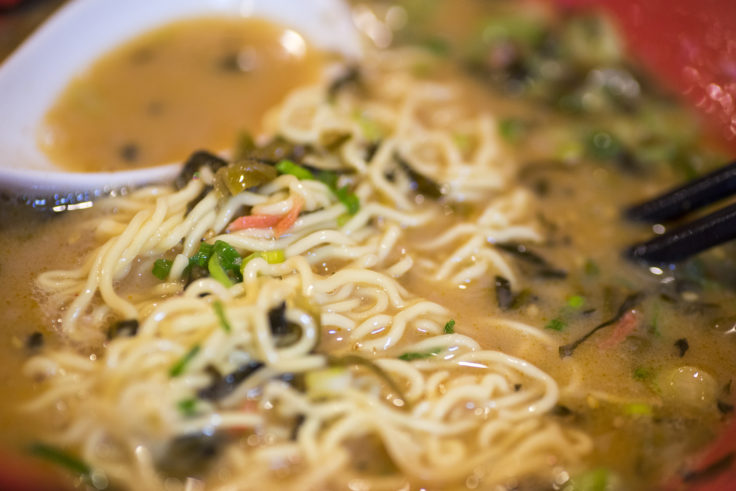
(33, 77)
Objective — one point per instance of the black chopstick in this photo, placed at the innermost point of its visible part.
(683, 242)
(693, 195)
(700, 234)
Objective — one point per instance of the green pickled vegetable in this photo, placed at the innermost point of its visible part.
(245, 174)
(450, 327)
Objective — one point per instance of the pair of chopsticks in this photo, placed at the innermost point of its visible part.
(696, 236)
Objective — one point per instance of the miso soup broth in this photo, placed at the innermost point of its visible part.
(193, 84)
(413, 280)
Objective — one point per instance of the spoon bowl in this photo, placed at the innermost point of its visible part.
(34, 76)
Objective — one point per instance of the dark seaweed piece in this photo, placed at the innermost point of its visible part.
(542, 267)
(189, 455)
(606, 147)
(296, 380)
(682, 345)
(277, 320)
(698, 308)
(221, 387)
(629, 303)
(350, 77)
(504, 295)
(298, 422)
(420, 183)
(522, 298)
(127, 328)
(285, 332)
(724, 407)
(552, 273)
(371, 149)
(195, 162)
(34, 341)
(709, 471)
(277, 150)
(230, 63)
(531, 170)
(129, 152)
(205, 191)
(195, 272)
(561, 411)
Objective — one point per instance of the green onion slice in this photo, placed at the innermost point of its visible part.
(181, 365)
(161, 268)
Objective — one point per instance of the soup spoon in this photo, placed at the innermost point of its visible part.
(34, 76)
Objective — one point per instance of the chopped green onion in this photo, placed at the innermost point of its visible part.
(60, 457)
(371, 130)
(642, 373)
(350, 200)
(343, 219)
(437, 45)
(220, 313)
(161, 268)
(188, 407)
(450, 327)
(463, 141)
(343, 194)
(592, 480)
(218, 272)
(511, 129)
(603, 145)
(591, 268)
(327, 177)
(575, 302)
(229, 257)
(224, 259)
(272, 257)
(296, 170)
(409, 356)
(512, 27)
(638, 409)
(202, 257)
(179, 367)
(556, 324)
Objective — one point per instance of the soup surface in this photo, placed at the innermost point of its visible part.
(192, 84)
(410, 299)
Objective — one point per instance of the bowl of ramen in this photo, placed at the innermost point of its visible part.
(402, 272)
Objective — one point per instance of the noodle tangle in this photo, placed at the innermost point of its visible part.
(285, 375)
